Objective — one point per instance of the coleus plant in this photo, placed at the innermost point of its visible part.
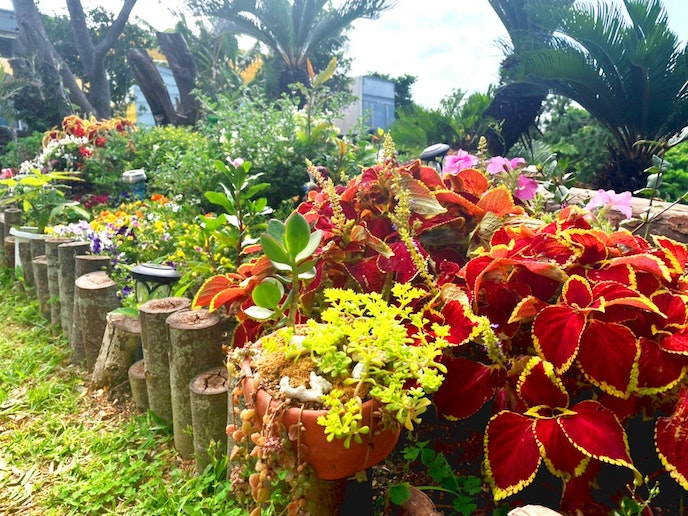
(391, 223)
(593, 331)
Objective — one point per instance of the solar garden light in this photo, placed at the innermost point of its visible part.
(154, 280)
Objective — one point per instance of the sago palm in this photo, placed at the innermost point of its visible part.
(626, 69)
(291, 29)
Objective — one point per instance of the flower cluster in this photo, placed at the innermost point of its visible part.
(65, 154)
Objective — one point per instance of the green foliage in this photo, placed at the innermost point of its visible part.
(25, 148)
(290, 247)
(675, 179)
(462, 490)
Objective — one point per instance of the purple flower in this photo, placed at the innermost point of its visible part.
(526, 189)
(609, 200)
(499, 164)
(455, 163)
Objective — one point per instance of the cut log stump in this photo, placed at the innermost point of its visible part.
(156, 349)
(51, 256)
(195, 346)
(95, 295)
(65, 256)
(40, 276)
(121, 342)
(209, 415)
(137, 382)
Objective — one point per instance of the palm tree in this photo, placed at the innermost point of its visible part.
(290, 29)
(626, 69)
(516, 105)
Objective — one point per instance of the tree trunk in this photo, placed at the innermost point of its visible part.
(156, 348)
(152, 86)
(183, 67)
(65, 257)
(39, 266)
(95, 295)
(137, 382)
(195, 346)
(121, 342)
(209, 415)
(51, 256)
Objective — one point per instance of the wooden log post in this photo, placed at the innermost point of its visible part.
(84, 264)
(156, 348)
(51, 245)
(137, 382)
(118, 351)
(65, 257)
(195, 346)
(37, 247)
(95, 295)
(25, 259)
(209, 415)
(9, 252)
(40, 276)
(13, 218)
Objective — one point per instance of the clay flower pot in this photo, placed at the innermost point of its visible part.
(330, 459)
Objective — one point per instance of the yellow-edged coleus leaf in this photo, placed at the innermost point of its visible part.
(527, 309)
(561, 457)
(538, 384)
(557, 332)
(643, 262)
(615, 293)
(218, 290)
(512, 456)
(674, 254)
(577, 292)
(463, 323)
(500, 202)
(621, 273)
(592, 248)
(467, 386)
(423, 200)
(595, 432)
(671, 440)
(658, 371)
(674, 311)
(608, 356)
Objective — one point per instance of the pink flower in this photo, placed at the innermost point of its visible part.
(236, 163)
(455, 163)
(499, 164)
(610, 200)
(526, 189)
(6, 173)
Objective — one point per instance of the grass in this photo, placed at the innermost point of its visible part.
(66, 449)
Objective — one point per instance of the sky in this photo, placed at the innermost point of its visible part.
(446, 44)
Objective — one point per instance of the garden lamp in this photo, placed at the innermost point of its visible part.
(136, 181)
(154, 280)
(434, 155)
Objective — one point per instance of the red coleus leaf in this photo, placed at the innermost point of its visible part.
(367, 274)
(671, 440)
(527, 309)
(658, 371)
(219, 290)
(473, 181)
(539, 385)
(643, 263)
(467, 386)
(608, 356)
(500, 202)
(577, 292)
(594, 430)
(464, 325)
(556, 334)
(400, 263)
(590, 248)
(512, 456)
(562, 458)
(673, 254)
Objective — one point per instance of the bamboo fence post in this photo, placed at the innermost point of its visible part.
(95, 294)
(156, 349)
(137, 382)
(208, 399)
(40, 276)
(65, 257)
(51, 245)
(195, 346)
(120, 345)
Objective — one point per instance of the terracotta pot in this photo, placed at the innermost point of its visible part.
(330, 459)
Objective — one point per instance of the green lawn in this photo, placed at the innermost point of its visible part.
(65, 449)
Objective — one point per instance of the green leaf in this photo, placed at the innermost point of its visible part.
(268, 293)
(297, 234)
(326, 74)
(261, 314)
(219, 200)
(274, 251)
(399, 493)
(275, 229)
(313, 243)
